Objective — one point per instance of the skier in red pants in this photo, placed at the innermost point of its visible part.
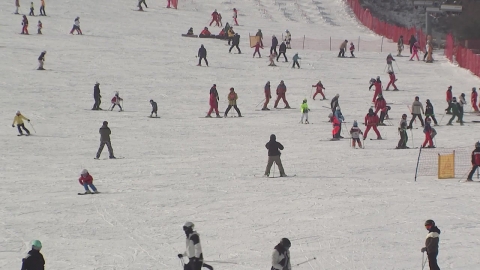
(257, 50)
(415, 51)
(392, 81)
(473, 99)
(25, 25)
(268, 96)
(428, 130)
(215, 19)
(235, 15)
(378, 87)
(371, 121)
(281, 90)
(213, 101)
(319, 90)
(336, 127)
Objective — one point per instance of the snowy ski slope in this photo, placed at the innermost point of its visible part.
(351, 209)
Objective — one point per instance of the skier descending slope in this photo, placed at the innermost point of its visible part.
(431, 244)
(76, 26)
(193, 249)
(319, 90)
(268, 96)
(97, 97)
(202, 54)
(232, 101)
(86, 180)
(24, 25)
(355, 132)
(378, 87)
(304, 110)
(34, 259)
(371, 121)
(274, 148)
(116, 100)
(41, 60)
(281, 255)
(20, 125)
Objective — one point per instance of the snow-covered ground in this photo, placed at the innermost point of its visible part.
(351, 209)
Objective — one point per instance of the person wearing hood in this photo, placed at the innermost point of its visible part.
(295, 60)
(193, 250)
(417, 111)
(273, 49)
(318, 90)
(86, 180)
(97, 97)
(235, 43)
(282, 50)
(304, 110)
(268, 96)
(18, 119)
(371, 121)
(202, 54)
(412, 42)
(105, 140)
(259, 36)
(475, 161)
(274, 148)
(473, 99)
(190, 32)
(431, 244)
(355, 133)
(41, 60)
(281, 255)
(429, 112)
(34, 259)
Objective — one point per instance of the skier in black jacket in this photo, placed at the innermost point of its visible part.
(274, 45)
(274, 148)
(431, 244)
(235, 43)
(429, 112)
(154, 108)
(97, 97)
(282, 50)
(41, 59)
(34, 260)
(202, 54)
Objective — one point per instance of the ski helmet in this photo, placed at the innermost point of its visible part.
(105, 123)
(355, 124)
(337, 95)
(304, 100)
(330, 115)
(428, 101)
(417, 98)
(450, 87)
(477, 144)
(404, 115)
(188, 225)
(84, 172)
(378, 78)
(454, 99)
(151, 100)
(285, 242)
(36, 244)
(429, 223)
(18, 112)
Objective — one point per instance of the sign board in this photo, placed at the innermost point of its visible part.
(433, 9)
(423, 3)
(451, 8)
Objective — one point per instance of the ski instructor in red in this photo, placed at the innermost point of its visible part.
(281, 90)
(371, 121)
(215, 18)
(213, 101)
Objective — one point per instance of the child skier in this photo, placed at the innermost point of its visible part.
(18, 119)
(295, 60)
(400, 46)
(25, 25)
(392, 81)
(116, 101)
(415, 51)
(41, 60)
(257, 50)
(154, 108)
(76, 26)
(39, 27)
(402, 130)
(352, 49)
(319, 90)
(428, 130)
(86, 180)
(272, 59)
(31, 10)
(431, 244)
(355, 132)
(34, 259)
(232, 101)
(429, 112)
(304, 109)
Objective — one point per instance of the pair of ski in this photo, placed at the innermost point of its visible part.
(86, 193)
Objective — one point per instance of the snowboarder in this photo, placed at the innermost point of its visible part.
(154, 108)
(41, 60)
(288, 39)
(17, 5)
(431, 244)
(282, 50)
(392, 81)
(355, 132)
(390, 60)
(295, 60)
(455, 112)
(415, 52)
(215, 18)
(319, 90)
(274, 154)
(417, 111)
(116, 100)
(449, 98)
(381, 106)
(429, 112)
(18, 119)
(400, 46)
(31, 10)
(378, 87)
(39, 27)
(259, 36)
(105, 139)
(461, 103)
(76, 26)
(190, 32)
(343, 48)
(34, 259)
(202, 54)
(281, 255)
(213, 101)
(274, 45)
(24, 25)
(429, 134)
(334, 103)
(86, 180)
(232, 101)
(271, 58)
(473, 99)
(371, 121)
(281, 91)
(96, 96)
(42, 8)
(475, 161)
(336, 127)
(257, 50)
(304, 110)
(412, 42)
(193, 248)
(268, 96)
(402, 130)
(235, 43)
(352, 49)
(235, 15)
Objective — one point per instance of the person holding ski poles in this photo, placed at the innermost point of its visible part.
(20, 125)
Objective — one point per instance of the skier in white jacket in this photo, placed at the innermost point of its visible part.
(193, 249)
(281, 255)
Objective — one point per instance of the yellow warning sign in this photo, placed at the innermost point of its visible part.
(446, 166)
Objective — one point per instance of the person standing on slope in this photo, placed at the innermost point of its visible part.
(455, 112)
(431, 244)
(41, 60)
(304, 110)
(381, 106)
(281, 91)
(415, 52)
(429, 112)
(352, 49)
(400, 46)
(461, 103)
(282, 50)
(402, 130)
(271, 58)
(97, 97)
(42, 8)
(259, 36)
(17, 5)
(116, 100)
(76, 26)
(334, 103)
(343, 48)
(18, 119)
(281, 255)
(336, 127)
(417, 111)
(39, 27)
(232, 101)
(428, 131)
(215, 18)
(34, 259)
(105, 140)
(378, 87)
(473, 99)
(295, 60)
(235, 16)
(214, 98)
(449, 98)
(274, 148)
(392, 81)
(371, 121)
(257, 50)
(230, 35)
(288, 39)
(319, 90)
(355, 132)
(338, 114)
(475, 161)
(193, 250)
(202, 54)
(268, 96)
(390, 60)
(412, 42)
(154, 108)
(25, 25)
(86, 180)
(31, 10)
(273, 49)
(235, 43)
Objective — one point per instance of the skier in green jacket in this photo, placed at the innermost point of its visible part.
(304, 109)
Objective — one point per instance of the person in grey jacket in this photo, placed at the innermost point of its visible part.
(281, 255)
(417, 111)
(105, 139)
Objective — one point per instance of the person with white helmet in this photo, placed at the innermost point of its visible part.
(355, 132)
(18, 119)
(288, 39)
(86, 180)
(116, 101)
(193, 249)
(34, 259)
(281, 255)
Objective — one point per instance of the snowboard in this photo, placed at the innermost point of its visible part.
(88, 193)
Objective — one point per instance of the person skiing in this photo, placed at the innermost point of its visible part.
(259, 36)
(338, 114)
(473, 99)
(281, 255)
(268, 96)
(336, 127)
(431, 244)
(42, 8)
(295, 60)
(17, 5)
(230, 35)
(352, 49)
(235, 43)
(18, 119)
(288, 39)
(105, 140)
(381, 106)
(281, 91)
(271, 58)
(378, 87)
(257, 49)
(449, 98)
(475, 161)
(371, 121)
(455, 112)
(461, 103)
(274, 154)
(428, 131)
(34, 259)
(213, 101)
(273, 48)
(402, 130)
(41, 60)
(282, 50)
(86, 180)
(390, 60)
(412, 42)
(429, 112)
(116, 100)
(355, 133)
(215, 18)
(232, 101)
(154, 108)
(304, 110)
(202, 54)
(400, 46)
(39, 27)
(343, 48)
(417, 111)
(415, 52)
(235, 15)
(76, 26)
(334, 103)
(319, 90)
(392, 81)
(220, 19)
(193, 249)
(96, 96)
(426, 50)
(24, 25)
(31, 10)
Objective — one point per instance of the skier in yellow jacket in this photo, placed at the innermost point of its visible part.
(232, 101)
(19, 120)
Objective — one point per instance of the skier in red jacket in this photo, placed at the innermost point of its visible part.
(25, 25)
(449, 100)
(281, 90)
(381, 105)
(86, 180)
(378, 87)
(319, 90)
(392, 81)
(475, 161)
(213, 101)
(371, 121)
(336, 127)
(215, 19)
(473, 99)
(268, 96)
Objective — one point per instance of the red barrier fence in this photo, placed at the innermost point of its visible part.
(465, 58)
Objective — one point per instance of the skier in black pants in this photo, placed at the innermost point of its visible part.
(402, 129)
(97, 97)
(334, 103)
(431, 244)
(429, 112)
(475, 161)
(154, 108)
(282, 50)
(202, 54)
(105, 139)
(34, 259)
(274, 45)
(140, 3)
(235, 42)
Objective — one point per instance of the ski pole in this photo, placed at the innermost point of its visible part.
(182, 262)
(260, 102)
(439, 122)
(275, 163)
(306, 261)
(32, 126)
(311, 90)
(397, 66)
(413, 144)
(424, 261)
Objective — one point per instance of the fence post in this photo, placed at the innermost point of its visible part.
(418, 161)
(381, 46)
(358, 44)
(330, 43)
(303, 42)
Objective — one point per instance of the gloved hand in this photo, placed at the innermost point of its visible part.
(13, 125)
(270, 96)
(423, 249)
(193, 260)
(180, 255)
(218, 98)
(28, 120)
